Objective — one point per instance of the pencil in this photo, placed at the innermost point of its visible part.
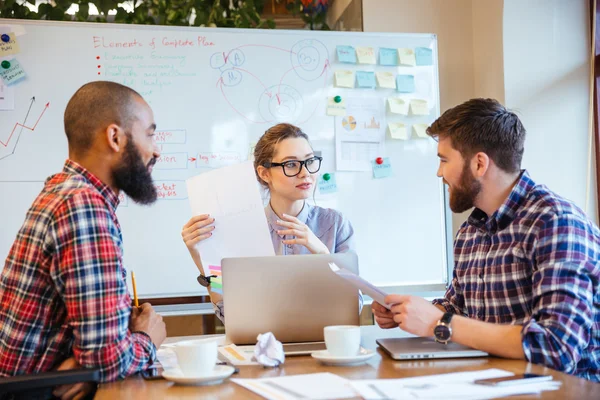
(135, 299)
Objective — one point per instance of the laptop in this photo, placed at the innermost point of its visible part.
(420, 347)
(294, 297)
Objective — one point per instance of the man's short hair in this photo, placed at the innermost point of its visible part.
(94, 107)
(483, 125)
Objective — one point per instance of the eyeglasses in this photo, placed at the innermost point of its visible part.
(294, 167)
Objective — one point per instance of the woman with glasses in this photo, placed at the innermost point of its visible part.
(286, 166)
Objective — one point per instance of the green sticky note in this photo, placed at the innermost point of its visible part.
(424, 56)
(365, 79)
(383, 170)
(346, 54)
(388, 57)
(405, 83)
(13, 74)
(329, 186)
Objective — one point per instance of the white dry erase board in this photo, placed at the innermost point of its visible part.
(214, 92)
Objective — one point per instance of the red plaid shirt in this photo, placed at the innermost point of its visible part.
(63, 289)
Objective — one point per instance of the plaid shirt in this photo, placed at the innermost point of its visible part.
(63, 289)
(534, 262)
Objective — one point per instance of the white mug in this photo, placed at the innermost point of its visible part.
(196, 358)
(342, 340)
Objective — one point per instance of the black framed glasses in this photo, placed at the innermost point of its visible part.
(293, 167)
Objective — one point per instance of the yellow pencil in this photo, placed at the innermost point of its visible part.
(135, 299)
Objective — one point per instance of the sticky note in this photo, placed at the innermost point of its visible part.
(216, 284)
(398, 106)
(11, 47)
(419, 107)
(336, 109)
(13, 74)
(383, 170)
(346, 54)
(398, 131)
(407, 57)
(388, 56)
(366, 55)
(344, 78)
(327, 186)
(385, 79)
(365, 79)
(424, 56)
(405, 83)
(421, 130)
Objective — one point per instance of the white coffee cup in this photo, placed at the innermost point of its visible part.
(196, 358)
(342, 340)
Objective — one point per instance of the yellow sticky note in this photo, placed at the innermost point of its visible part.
(421, 130)
(398, 131)
(336, 109)
(419, 107)
(398, 106)
(385, 80)
(344, 78)
(407, 57)
(10, 47)
(366, 55)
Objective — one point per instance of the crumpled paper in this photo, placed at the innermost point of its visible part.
(268, 350)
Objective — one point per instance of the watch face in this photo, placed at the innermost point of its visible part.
(442, 333)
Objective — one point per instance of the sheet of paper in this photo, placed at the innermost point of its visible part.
(12, 74)
(346, 54)
(232, 197)
(365, 79)
(398, 106)
(319, 386)
(327, 186)
(388, 57)
(360, 135)
(421, 130)
(366, 55)
(336, 109)
(383, 170)
(363, 285)
(407, 57)
(19, 30)
(398, 131)
(385, 79)
(405, 83)
(7, 97)
(424, 56)
(344, 78)
(11, 47)
(419, 107)
(236, 356)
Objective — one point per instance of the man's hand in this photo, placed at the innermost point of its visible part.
(383, 316)
(414, 314)
(75, 391)
(146, 320)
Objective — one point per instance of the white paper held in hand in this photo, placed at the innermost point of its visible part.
(365, 286)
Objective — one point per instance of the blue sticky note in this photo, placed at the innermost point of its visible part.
(346, 54)
(13, 74)
(365, 79)
(382, 170)
(388, 56)
(329, 186)
(405, 83)
(424, 56)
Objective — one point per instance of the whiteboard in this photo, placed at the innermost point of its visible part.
(214, 92)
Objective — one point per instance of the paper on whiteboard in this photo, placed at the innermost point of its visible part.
(231, 196)
(365, 286)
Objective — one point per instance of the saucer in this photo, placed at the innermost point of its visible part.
(326, 358)
(220, 373)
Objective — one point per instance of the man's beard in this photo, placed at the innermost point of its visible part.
(133, 177)
(463, 195)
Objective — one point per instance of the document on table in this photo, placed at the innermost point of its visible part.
(365, 286)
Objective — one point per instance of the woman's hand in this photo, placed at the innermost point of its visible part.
(303, 235)
(197, 229)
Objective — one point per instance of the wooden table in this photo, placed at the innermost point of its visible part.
(380, 366)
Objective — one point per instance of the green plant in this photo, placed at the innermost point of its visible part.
(314, 12)
(223, 13)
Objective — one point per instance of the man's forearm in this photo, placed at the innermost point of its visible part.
(499, 340)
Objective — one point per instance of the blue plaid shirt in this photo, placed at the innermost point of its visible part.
(535, 263)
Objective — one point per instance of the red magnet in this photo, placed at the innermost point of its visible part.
(379, 160)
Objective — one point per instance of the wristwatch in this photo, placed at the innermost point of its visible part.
(442, 331)
(205, 280)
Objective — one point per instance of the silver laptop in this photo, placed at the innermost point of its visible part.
(419, 347)
(294, 297)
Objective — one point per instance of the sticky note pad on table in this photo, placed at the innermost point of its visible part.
(407, 57)
(385, 79)
(405, 83)
(419, 107)
(344, 78)
(346, 54)
(382, 170)
(424, 56)
(11, 72)
(365, 79)
(388, 57)
(327, 183)
(398, 106)
(10, 46)
(366, 55)
(216, 284)
(398, 131)
(336, 108)
(420, 130)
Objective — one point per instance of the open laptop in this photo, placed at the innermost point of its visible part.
(294, 297)
(420, 347)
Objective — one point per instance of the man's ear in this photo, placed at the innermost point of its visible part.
(115, 137)
(264, 174)
(480, 163)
